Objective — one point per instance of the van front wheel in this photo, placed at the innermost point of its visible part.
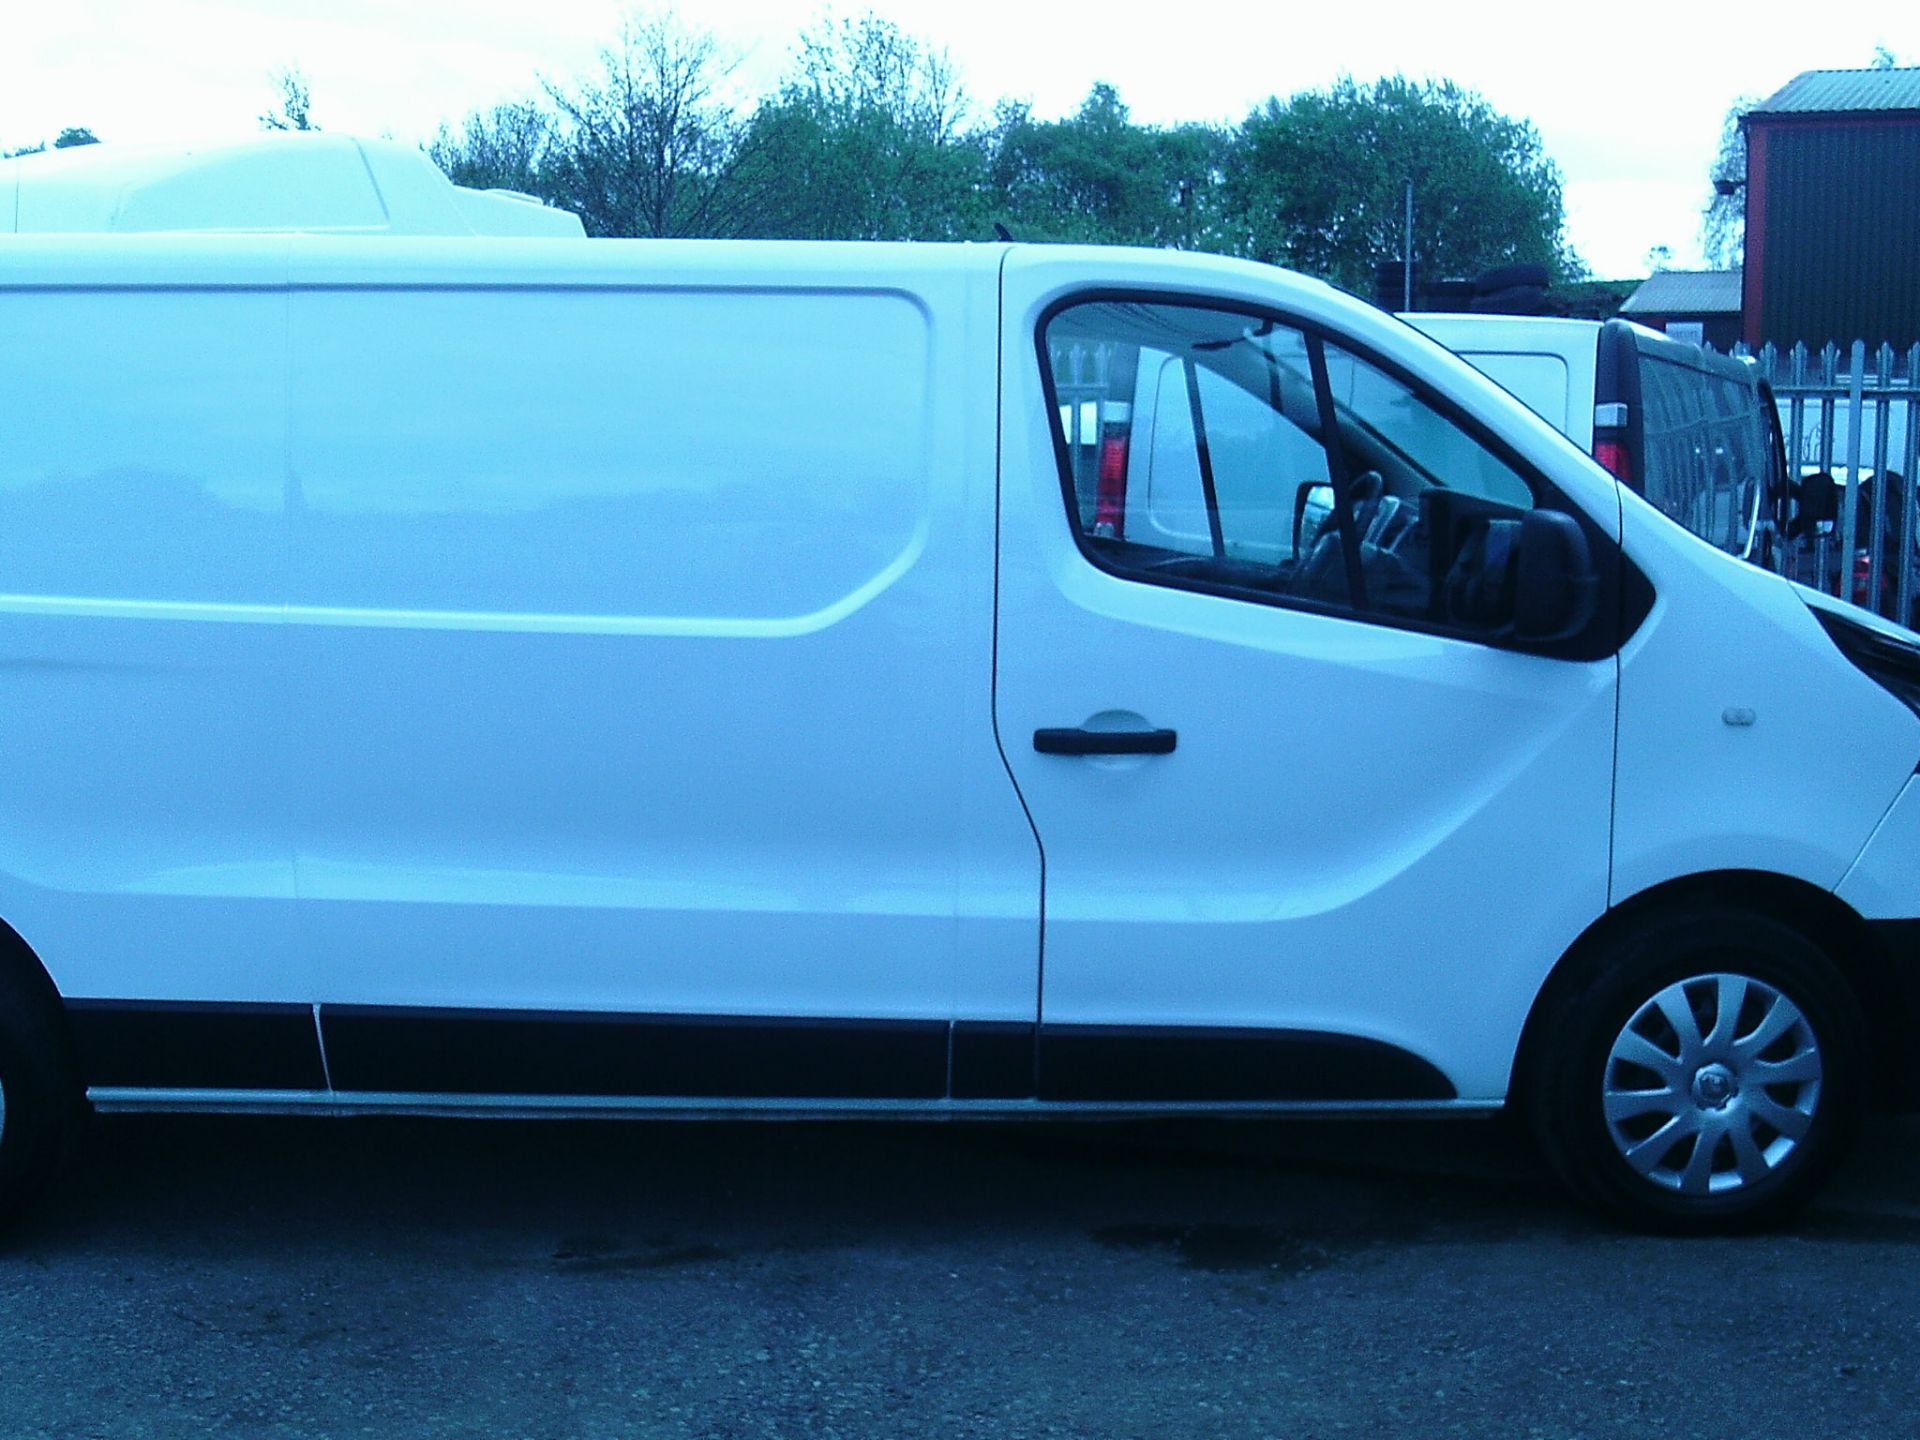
(40, 1101)
(1707, 1076)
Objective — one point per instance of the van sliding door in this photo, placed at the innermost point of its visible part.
(643, 654)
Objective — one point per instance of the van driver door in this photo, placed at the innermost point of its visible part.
(1314, 824)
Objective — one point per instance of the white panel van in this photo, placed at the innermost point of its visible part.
(484, 676)
(1694, 432)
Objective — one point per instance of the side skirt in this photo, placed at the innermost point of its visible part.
(129, 1100)
(360, 1056)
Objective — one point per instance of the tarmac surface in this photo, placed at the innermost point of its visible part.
(277, 1278)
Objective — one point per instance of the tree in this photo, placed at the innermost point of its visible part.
(66, 139)
(1317, 182)
(1097, 177)
(1883, 58)
(73, 135)
(1723, 223)
(294, 110)
(871, 64)
(646, 145)
(865, 141)
(510, 147)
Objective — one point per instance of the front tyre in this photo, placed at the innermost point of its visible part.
(40, 1100)
(1707, 1075)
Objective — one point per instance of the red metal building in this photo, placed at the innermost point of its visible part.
(1833, 210)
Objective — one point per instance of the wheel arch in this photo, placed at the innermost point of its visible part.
(23, 976)
(1863, 962)
(22, 962)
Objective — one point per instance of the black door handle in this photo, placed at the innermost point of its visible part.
(1104, 742)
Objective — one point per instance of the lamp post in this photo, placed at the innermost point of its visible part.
(1406, 286)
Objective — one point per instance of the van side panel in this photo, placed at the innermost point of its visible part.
(643, 642)
(144, 849)
(693, 461)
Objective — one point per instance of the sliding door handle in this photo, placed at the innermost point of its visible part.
(1104, 742)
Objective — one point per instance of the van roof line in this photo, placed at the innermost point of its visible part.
(301, 183)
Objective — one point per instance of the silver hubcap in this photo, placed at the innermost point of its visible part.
(1712, 1085)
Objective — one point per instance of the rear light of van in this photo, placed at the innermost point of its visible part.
(1110, 490)
(1612, 455)
(1863, 579)
(1610, 440)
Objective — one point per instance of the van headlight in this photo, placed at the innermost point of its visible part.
(1893, 663)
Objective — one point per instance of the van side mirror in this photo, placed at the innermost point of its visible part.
(1555, 586)
(1819, 502)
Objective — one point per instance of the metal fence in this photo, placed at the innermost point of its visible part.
(1854, 415)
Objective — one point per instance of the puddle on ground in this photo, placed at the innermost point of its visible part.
(1220, 1249)
(589, 1254)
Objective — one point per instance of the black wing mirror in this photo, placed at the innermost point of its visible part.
(1555, 586)
(1819, 503)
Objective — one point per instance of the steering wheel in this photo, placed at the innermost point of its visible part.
(1367, 489)
(1321, 570)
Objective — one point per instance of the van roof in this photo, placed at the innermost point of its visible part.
(269, 184)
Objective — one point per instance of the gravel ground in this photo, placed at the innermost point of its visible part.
(210, 1277)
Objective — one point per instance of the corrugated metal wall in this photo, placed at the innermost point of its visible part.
(1842, 234)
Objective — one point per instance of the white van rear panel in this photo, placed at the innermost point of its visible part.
(1547, 364)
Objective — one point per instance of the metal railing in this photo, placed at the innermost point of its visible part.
(1855, 416)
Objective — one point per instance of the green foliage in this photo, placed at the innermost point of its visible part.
(66, 139)
(1097, 177)
(510, 147)
(1723, 221)
(871, 136)
(647, 146)
(1593, 299)
(864, 141)
(1318, 182)
(294, 110)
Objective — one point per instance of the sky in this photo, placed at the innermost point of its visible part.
(1628, 96)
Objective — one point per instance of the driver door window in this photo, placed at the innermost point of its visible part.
(1235, 454)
